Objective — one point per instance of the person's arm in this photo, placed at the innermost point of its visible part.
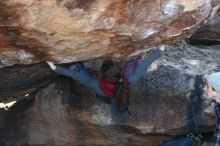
(83, 79)
(142, 67)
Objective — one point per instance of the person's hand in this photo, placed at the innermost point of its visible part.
(162, 47)
(51, 64)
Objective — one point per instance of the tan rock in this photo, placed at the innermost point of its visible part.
(73, 30)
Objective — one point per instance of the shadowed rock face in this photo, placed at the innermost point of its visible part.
(66, 113)
(59, 115)
(209, 32)
(73, 30)
(20, 79)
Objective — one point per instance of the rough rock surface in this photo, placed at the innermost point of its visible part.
(62, 113)
(22, 79)
(73, 30)
(57, 116)
(209, 32)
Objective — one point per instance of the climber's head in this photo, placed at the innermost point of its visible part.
(112, 72)
(214, 81)
(212, 87)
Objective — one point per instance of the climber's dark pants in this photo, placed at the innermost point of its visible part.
(113, 104)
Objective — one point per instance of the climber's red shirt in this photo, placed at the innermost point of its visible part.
(107, 87)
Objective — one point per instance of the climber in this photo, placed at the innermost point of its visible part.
(113, 86)
(212, 91)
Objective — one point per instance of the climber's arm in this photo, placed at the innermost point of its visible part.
(83, 79)
(142, 67)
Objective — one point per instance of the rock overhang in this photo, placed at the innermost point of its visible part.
(70, 30)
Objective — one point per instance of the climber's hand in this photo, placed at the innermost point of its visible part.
(162, 47)
(51, 64)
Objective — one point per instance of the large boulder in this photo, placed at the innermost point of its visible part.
(209, 31)
(168, 100)
(54, 110)
(73, 30)
(20, 80)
